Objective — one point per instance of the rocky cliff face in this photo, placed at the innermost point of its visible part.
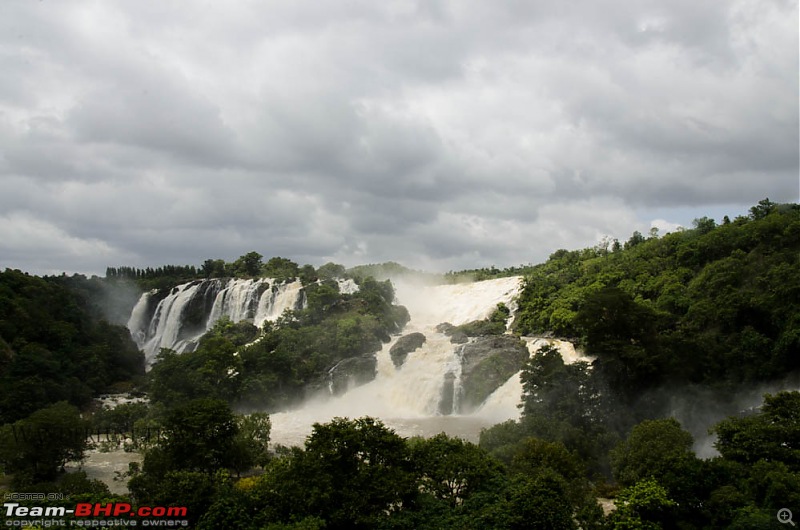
(487, 363)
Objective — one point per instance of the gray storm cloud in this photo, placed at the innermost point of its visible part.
(440, 134)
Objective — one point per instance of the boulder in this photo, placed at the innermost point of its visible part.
(445, 327)
(487, 363)
(351, 372)
(457, 336)
(405, 345)
(447, 398)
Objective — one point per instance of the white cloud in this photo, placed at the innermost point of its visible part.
(25, 238)
(665, 227)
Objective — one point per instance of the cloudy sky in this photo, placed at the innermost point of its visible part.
(441, 134)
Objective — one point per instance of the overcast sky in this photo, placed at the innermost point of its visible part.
(443, 135)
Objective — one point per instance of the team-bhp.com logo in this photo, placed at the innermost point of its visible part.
(87, 509)
(121, 511)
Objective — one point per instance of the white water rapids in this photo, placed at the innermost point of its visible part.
(406, 399)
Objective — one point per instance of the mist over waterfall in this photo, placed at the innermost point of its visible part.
(177, 318)
(424, 395)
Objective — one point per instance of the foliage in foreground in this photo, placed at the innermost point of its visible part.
(360, 474)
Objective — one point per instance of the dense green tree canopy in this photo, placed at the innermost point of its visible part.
(37, 447)
(291, 357)
(451, 469)
(773, 434)
(714, 304)
(694, 313)
(55, 347)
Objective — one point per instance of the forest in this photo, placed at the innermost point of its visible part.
(696, 315)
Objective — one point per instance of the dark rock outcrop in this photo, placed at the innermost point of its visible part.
(457, 336)
(445, 327)
(352, 372)
(447, 399)
(481, 328)
(195, 313)
(405, 345)
(487, 363)
(476, 328)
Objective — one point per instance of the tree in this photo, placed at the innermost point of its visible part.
(530, 502)
(636, 239)
(644, 505)
(662, 450)
(331, 271)
(176, 378)
(55, 345)
(654, 448)
(36, 448)
(307, 275)
(281, 269)
(568, 404)
(248, 264)
(213, 268)
(704, 225)
(762, 209)
(199, 436)
(320, 298)
(562, 392)
(193, 489)
(232, 508)
(534, 456)
(451, 469)
(622, 334)
(773, 434)
(251, 444)
(352, 473)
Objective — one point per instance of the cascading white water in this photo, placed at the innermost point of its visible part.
(139, 320)
(273, 303)
(235, 300)
(162, 329)
(407, 398)
(208, 301)
(347, 286)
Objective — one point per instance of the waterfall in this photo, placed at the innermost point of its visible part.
(409, 398)
(139, 320)
(423, 394)
(236, 300)
(163, 329)
(181, 316)
(280, 298)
